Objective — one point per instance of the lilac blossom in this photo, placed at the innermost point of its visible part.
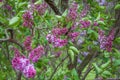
(27, 43)
(106, 41)
(36, 53)
(59, 42)
(59, 31)
(28, 19)
(29, 71)
(19, 63)
(1, 0)
(8, 7)
(85, 24)
(41, 8)
(51, 38)
(73, 36)
(84, 11)
(72, 13)
(95, 23)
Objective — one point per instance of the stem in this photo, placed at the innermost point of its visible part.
(57, 67)
(19, 76)
(53, 6)
(87, 59)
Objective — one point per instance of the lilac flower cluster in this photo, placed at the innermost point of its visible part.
(72, 13)
(22, 63)
(85, 24)
(41, 8)
(19, 63)
(95, 23)
(29, 71)
(73, 36)
(8, 7)
(27, 43)
(57, 42)
(28, 19)
(1, 0)
(106, 41)
(54, 37)
(84, 11)
(102, 2)
(36, 53)
(59, 31)
(74, 26)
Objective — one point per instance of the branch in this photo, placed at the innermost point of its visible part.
(19, 76)
(57, 67)
(11, 38)
(53, 6)
(87, 59)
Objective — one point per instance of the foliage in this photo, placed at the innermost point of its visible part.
(40, 44)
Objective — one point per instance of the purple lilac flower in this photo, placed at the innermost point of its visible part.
(84, 11)
(29, 71)
(1, 0)
(95, 23)
(36, 53)
(51, 38)
(79, 61)
(83, 33)
(85, 53)
(74, 26)
(8, 7)
(102, 39)
(27, 43)
(106, 41)
(28, 19)
(72, 13)
(41, 8)
(59, 31)
(19, 63)
(85, 24)
(59, 42)
(73, 36)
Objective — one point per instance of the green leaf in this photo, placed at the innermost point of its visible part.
(117, 6)
(71, 54)
(38, 2)
(117, 62)
(14, 21)
(98, 70)
(98, 17)
(3, 20)
(74, 74)
(106, 74)
(65, 13)
(101, 22)
(20, 5)
(1, 4)
(74, 49)
(105, 65)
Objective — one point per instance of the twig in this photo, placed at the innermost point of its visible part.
(57, 67)
(11, 38)
(87, 59)
(19, 76)
(53, 6)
